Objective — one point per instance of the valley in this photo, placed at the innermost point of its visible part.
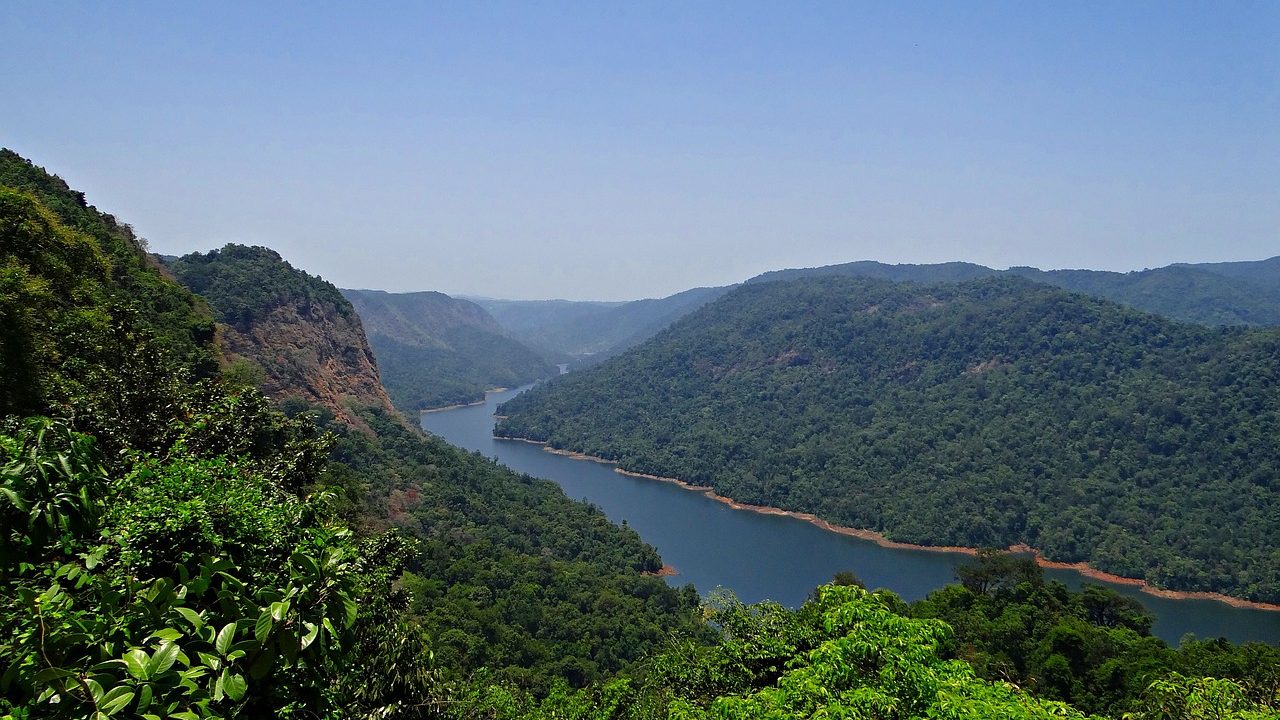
(772, 556)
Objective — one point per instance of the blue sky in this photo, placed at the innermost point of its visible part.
(613, 151)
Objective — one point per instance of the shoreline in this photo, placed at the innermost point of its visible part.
(1083, 568)
(455, 406)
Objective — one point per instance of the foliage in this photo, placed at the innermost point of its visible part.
(244, 283)
(978, 414)
(100, 619)
(846, 654)
(1092, 648)
(510, 574)
(180, 322)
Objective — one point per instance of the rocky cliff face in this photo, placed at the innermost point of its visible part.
(291, 333)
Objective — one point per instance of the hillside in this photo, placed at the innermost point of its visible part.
(292, 334)
(986, 413)
(591, 331)
(173, 546)
(170, 505)
(435, 350)
(1238, 293)
(181, 322)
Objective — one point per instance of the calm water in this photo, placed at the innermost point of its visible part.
(779, 558)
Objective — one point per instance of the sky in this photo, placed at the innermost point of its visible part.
(603, 150)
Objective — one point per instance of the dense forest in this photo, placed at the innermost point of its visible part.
(173, 544)
(1229, 293)
(434, 350)
(985, 413)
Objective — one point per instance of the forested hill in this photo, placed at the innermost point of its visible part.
(172, 546)
(181, 322)
(288, 332)
(436, 350)
(508, 574)
(592, 331)
(1235, 293)
(985, 413)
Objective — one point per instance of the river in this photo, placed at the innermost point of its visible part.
(780, 558)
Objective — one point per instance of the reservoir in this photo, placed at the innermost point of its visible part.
(780, 558)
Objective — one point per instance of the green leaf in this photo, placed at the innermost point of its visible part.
(312, 631)
(307, 564)
(116, 700)
(236, 686)
(225, 636)
(167, 634)
(164, 658)
(136, 661)
(211, 661)
(262, 628)
(45, 676)
(279, 610)
(351, 609)
(192, 617)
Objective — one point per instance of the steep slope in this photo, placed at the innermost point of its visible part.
(508, 574)
(151, 516)
(295, 333)
(993, 412)
(436, 350)
(1242, 293)
(181, 322)
(496, 575)
(593, 330)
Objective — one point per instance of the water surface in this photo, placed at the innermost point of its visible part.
(776, 557)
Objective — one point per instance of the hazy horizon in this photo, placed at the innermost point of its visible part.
(585, 152)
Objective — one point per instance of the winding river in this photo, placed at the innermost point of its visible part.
(780, 558)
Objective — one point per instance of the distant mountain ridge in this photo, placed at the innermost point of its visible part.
(1231, 293)
(592, 331)
(436, 350)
